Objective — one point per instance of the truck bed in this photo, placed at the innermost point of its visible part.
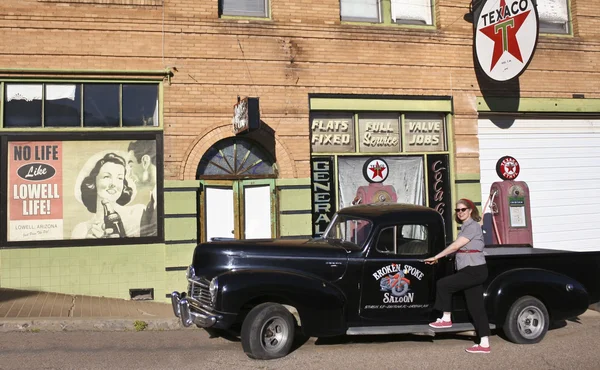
(581, 266)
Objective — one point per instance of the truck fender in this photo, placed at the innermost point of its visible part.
(320, 304)
(563, 296)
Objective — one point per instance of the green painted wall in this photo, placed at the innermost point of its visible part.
(294, 208)
(100, 271)
(181, 233)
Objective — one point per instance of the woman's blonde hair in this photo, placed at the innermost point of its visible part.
(470, 205)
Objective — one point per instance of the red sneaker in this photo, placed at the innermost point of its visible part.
(441, 324)
(478, 349)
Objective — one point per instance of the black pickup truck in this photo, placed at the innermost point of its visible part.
(366, 275)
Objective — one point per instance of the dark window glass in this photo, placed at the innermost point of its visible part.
(62, 105)
(23, 105)
(140, 105)
(101, 105)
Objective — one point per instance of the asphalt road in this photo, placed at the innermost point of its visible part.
(572, 346)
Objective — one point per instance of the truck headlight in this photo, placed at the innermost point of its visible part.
(190, 273)
(213, 288)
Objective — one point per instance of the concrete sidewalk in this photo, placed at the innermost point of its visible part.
(23, 310)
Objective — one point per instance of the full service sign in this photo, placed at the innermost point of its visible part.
(506, 33)
(377, 133)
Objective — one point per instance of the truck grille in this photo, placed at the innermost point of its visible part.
(198, 289)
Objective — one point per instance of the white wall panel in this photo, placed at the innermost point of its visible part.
(560, 162)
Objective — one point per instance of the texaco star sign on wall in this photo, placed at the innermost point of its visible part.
(506, 33)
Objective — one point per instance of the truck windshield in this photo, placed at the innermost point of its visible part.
(349, 230)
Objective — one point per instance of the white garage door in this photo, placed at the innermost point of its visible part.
(560, 162)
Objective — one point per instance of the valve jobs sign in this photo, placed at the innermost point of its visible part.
(506, 33)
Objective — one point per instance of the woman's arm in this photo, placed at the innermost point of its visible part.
(460, 242)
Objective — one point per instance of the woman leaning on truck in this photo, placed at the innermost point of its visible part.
(471, 273)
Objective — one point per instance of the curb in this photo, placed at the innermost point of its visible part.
(88, 324)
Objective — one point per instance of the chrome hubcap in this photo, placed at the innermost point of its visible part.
(274, 334)
(530, 322)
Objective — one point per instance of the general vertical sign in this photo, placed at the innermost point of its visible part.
(323, 192)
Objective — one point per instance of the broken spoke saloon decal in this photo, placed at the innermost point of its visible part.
(399, 287)
(506, 33)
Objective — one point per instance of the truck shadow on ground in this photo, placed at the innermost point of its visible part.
(346, 339)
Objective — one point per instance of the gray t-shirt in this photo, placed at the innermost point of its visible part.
(472, 231)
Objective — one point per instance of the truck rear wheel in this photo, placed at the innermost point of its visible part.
(268, 332)
(527, 321)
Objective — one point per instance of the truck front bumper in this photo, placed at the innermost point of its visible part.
(192, 315)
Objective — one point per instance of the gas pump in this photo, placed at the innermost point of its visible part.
(375, 171)
(510, 206)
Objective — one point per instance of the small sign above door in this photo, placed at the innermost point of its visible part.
(246, 115)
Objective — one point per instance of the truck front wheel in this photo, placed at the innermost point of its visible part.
(527, 321)
(268, 332)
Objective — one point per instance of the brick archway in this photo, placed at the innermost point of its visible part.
(285, 163)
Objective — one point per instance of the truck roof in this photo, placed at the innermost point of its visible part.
(384, 211)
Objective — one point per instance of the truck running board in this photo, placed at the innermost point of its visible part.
(410, 329)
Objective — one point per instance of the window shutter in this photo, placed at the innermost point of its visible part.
(359, 10)
(250, 8)
(416, 11)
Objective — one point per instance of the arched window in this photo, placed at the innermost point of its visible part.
(236, 158)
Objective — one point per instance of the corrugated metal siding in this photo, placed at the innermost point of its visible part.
(560, 162)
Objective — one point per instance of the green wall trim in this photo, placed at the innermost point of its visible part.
(180, 202)
(71, 130)
(182, 183)
(467, 176)
(181, 228)
(287, 182)
(407, 105)
(294, 199)
(299, 224)
(539, 105)
(142, 72)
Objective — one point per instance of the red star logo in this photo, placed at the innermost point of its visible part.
(504, 35)
(377, 170)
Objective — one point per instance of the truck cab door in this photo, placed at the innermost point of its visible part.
(397, 286)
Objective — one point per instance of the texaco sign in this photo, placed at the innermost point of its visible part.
(506, 33)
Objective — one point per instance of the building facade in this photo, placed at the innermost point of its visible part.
(119, 118)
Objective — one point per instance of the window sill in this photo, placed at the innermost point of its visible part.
(109, 2)
(432, 27)
(244, 18)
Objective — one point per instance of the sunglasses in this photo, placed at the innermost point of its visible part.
(457, 210)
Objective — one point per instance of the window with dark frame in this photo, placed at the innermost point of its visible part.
(244, 8)
(405, 240)
(68, 104)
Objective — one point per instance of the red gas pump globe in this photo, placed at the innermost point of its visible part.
(507, 168)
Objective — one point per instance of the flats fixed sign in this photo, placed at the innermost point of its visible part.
(506, 33)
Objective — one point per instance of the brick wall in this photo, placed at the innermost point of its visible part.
(302, 49)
